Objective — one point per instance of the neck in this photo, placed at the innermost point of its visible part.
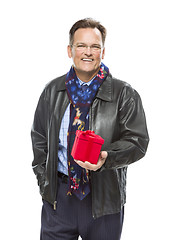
(87, 76)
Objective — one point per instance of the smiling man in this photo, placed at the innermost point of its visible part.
(80, 198)
(86, 49)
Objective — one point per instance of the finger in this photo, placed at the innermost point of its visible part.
(87, 165)
(83, 164)
(103, 155)
(80, 163)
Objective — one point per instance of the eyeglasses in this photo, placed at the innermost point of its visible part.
(82, 47)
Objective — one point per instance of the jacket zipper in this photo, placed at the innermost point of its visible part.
(91, 128)
(55, 205)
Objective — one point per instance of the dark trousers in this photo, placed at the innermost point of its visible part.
(73, 218)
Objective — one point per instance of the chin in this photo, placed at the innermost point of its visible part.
(89, 68)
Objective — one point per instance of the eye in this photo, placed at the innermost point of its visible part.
(96, 47)
(81, 46)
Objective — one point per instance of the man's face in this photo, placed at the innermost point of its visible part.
(86, 52)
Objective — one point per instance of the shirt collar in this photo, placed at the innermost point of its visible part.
(88, 83)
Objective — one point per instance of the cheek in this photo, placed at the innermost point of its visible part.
(98, 57)
(76, 54)
(76, 57)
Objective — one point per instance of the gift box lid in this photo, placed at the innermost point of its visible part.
(89, 136)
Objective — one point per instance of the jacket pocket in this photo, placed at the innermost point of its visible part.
(106, 196)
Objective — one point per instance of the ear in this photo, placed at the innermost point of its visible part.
(69, 50)
(103, 53)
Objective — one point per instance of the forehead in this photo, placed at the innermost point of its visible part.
(88, 35)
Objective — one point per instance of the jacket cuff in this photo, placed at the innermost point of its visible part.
(108, 161)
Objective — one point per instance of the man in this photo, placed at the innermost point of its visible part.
(80, 198)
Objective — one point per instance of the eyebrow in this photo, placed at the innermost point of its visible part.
(95, 44)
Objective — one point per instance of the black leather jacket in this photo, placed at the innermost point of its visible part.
(117, 116)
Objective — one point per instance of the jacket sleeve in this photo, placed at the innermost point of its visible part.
(133, 138)
(39, 139)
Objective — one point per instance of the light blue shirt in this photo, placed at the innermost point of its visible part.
(62, 150)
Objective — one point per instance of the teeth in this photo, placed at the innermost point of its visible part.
(87, 59)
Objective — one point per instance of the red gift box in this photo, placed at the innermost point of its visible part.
(87, 146)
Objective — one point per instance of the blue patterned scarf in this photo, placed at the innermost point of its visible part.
(81, 101)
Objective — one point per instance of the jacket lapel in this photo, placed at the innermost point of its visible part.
(105, 90)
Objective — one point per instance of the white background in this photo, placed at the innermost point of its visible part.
(142, 48)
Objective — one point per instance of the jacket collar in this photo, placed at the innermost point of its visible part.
(61, 83)
(104, 92)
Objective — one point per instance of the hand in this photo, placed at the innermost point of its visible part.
(93, 167)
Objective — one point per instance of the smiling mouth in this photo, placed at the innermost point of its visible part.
(87, 59)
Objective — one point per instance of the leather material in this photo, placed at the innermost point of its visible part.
(116, 115)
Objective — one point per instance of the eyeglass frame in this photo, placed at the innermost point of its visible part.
(93, 47)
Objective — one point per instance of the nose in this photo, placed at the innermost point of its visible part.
(88, 51)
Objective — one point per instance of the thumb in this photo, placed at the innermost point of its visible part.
(103, 155)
